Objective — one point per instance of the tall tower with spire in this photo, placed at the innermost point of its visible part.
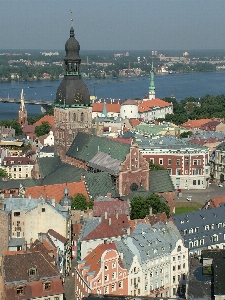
(72, 107)
(151, 92)
(22, 113)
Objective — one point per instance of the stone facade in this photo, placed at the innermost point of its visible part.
(134, 172)
(68, 121)
(4, 232)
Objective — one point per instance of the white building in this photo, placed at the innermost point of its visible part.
(129, 110)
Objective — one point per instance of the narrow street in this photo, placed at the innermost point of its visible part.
(69, 284)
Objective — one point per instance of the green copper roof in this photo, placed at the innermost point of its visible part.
(160, 181)
(104, 110)
(100, 184)
(152, 80)
(86, 146)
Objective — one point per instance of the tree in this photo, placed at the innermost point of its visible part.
(79, 202)
(3, 173)
(185, 134)
(140, 206)
(43, 129)
(155, 167)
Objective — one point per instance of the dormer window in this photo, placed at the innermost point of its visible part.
(32, 271)
(20, 290)
(47, 286)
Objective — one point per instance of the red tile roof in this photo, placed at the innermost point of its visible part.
(122, 140)
(104, 230)
(214, 202)
(155, 218)
(111, 207)
(119, 221)
(49, 119)
(149, 104)
(57, 236)
(110, 107)
(93, 259)
(28, 129)
(195, 123)
(56, 191)
(135, 122)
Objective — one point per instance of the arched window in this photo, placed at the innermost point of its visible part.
(82, 117)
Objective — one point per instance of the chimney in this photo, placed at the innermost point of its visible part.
(109, 221)
(117, 215)
(150, 211)
(106, 215)
(121, 255)
(29, 196)
(10, 195)
(53, 202)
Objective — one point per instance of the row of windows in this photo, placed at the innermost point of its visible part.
(196, 162)
(178, 267)
(107, 289)
(206, 227)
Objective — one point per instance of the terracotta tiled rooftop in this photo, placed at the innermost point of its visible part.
(214, 202)
(56, 191)
(195, 123)
(110, 107)
(103, 230)
(49, 119)
(57, 236)
(135, 122)
(111, 208)
(149, 104)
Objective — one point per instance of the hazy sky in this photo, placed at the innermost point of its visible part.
(113, 25)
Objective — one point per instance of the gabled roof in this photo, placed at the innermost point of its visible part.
(135, 122)
(148, 105)
(57, 236)
(56, 191)
(16, 267)
(110, 107)
(111, 207)
(86, 146)
(100, 184)
(93, 259)
(195, 123)
(49, 119)
(160, 181)
(102, 231)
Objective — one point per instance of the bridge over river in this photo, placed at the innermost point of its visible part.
(44, 103)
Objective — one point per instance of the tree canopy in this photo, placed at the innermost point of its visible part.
(3, 173)
(79, 202)
(140, 206)
(155, 167)
(43, 129)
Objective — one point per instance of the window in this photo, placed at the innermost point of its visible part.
(220, 225)
(82, 117)
(174, 268)
(161, 161)
(56, 298)
(196, 229)
(47, 286)
(174, 279)
(32, 271)
(114, 265)
(215, 238)
(178, 162)
(206, 227)
(179, 267)
(179, 248)
(106, 277)
(169, 161)
(43, 209)
(169, 171)
(212, 226)
(113, 275)
(106, 290)
(120, 284)
(197, 161)
(186, 161)
(113, 286)
(184, 276)
(106, 267)
(194, 182)
(201, 242)
(16, 214)
(178, 171)
(183, 265)
(20, 290)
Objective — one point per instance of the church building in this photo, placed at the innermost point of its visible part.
(72, 107)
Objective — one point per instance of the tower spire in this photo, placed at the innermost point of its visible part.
(151, 93)
(22, 114)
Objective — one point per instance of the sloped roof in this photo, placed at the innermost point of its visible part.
(135, 122)
(129, 102)
(110, 107)
(111, 207)
(160, 181)
(150, 104)
(139, 192)
(56, 191)
(104, 230)
(93, 259)
(25, 262)
(100, 184)
(105, 162)
(57, 236)
(86, 146)
(195, 123)
(49, 119)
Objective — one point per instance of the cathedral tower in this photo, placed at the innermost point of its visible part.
(72, 107)
(151, 93)
(22, 113)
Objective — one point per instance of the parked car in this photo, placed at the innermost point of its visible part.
(189, 198)
(220, 184)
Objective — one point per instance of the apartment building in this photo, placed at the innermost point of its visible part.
(18, 167)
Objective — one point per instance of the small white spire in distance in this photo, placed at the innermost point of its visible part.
(71, 13)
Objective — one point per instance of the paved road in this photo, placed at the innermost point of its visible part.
(202, 196)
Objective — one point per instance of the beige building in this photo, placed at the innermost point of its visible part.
(30, 217)
(18, 167)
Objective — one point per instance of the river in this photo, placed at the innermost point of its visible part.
(179, 85)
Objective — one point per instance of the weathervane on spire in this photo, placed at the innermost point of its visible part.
(71, 12)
